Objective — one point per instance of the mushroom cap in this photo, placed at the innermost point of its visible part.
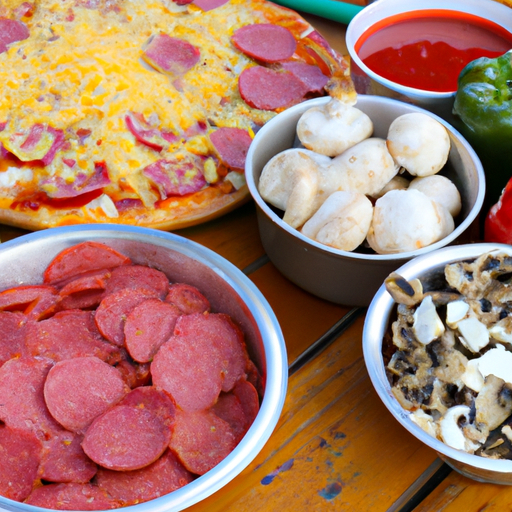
(332, 128)
(440, 189)
(419, 143)
(366, 167)
(407, 220)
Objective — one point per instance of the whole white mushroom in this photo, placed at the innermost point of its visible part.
(440, 189)
(290, 181)
(366, 168)
(342, 221)
(332, 128)
(419, 143)
(396, 183)
(407, 220)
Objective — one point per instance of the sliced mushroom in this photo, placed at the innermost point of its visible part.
(493, 404)
(403, 291)
(427, 325)
(424, 421)
(450, 428)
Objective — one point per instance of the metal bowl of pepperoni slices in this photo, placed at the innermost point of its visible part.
(137, 369)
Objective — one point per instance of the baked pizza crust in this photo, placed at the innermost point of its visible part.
(121, 135)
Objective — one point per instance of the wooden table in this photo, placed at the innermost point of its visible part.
(336, 447)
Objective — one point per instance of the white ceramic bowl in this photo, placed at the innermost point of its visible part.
(343, 277)
(367, 81)
(23, 260)
(380, 313)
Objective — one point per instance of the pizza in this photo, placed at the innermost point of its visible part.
(141, 112)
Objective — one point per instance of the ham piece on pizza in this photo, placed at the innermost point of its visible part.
(141, 112)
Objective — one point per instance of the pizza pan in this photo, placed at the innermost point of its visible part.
(23, 260)
(343, 277)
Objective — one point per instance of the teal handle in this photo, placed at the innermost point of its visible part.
(331, 9)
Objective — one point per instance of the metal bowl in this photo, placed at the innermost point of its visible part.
(367, 81)
(350, 278)
(23, 260)
(380, 314)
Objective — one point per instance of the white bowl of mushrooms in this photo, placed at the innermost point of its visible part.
(437, 347)
(346, 194)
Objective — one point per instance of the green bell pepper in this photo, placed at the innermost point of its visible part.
(483, 110)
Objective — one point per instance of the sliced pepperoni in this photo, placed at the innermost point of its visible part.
(22, 404)
(154, 400)
(138, 276)
(175, 176)
(187, 298)
(147, 327)
(249, 399)
(111, 314)
(229, 409)
(36, 301)
(134, 374)
(145, 133)
(69, 334)
(131, 487)
(79, 390)
(209, 5)
(71, 496)
(189, 369)
(219, 331)
(265, 42)
(64, 459)
(201, 440)
(232, 145)
(11, 31)
(85, 291)
(82, 258)
(311, 75)
(254, 377)
(171, 55)
(12, 338)
(268, 89)
(126, 438)
(20, 456)
(85, 299)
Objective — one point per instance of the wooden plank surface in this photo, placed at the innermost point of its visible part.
(458, 493)
(234, 236)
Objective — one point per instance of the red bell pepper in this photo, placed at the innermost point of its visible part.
(498, 223)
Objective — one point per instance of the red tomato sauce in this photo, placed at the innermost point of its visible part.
(428, 49)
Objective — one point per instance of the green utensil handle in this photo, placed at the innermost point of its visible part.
(331, 9)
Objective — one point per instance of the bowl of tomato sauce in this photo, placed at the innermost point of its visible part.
(414, 51)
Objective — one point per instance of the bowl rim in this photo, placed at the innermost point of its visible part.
(273, 341)
(296, 110)
(475, 7)
(375, 324)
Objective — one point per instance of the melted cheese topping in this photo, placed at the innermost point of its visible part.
(81, 71)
